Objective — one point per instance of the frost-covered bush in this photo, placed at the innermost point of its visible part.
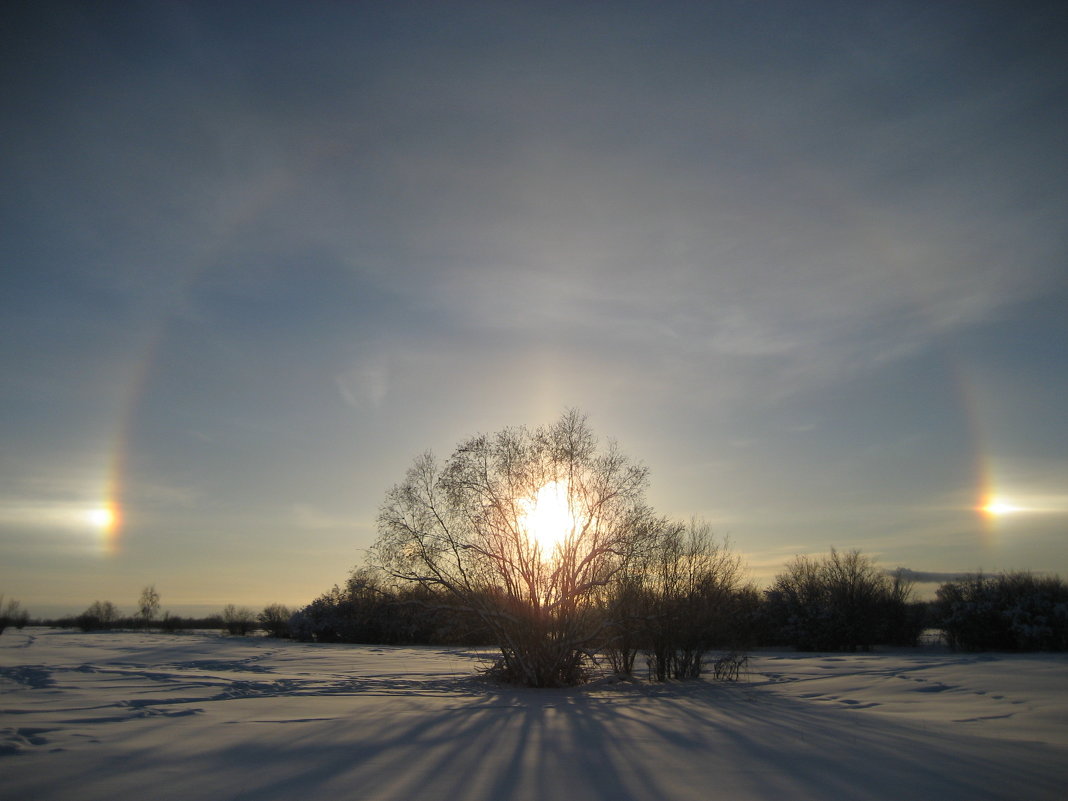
(1010, 612)
(841, 602)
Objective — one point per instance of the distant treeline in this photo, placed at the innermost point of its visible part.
(240, 621)
(365, 610)
(839, 602)
(842, 602)
(105, 616)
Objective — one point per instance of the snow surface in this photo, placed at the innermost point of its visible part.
(200, 716)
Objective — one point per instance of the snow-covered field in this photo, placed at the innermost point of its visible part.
(154, 716)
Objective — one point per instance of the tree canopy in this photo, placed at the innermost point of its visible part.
(471, 530)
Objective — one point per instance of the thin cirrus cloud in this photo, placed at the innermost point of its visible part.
(261, 260)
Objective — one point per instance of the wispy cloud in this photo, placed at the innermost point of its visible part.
(340, 240)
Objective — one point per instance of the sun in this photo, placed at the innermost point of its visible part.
(546, 518)
(997, 507)
(103, 518)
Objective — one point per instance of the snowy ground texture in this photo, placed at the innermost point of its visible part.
(123, 716)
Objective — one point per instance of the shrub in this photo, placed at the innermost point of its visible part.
(366, 610)
(99, 615)
(842, 602)
(1011, 612)
(692, 588)
(172, 623)
(12, 614)
(238, 621)
(274, 619)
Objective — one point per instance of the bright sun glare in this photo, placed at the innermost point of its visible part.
(546, 518)
(102, 517)
(997, 507)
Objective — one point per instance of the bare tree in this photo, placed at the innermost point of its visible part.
(275, 620)
(12, 614)
(692, 583)
(238, 621)
(842, 601)
(148, 605)
(521, 528)
(99, 615)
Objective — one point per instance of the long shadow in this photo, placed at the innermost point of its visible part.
(383, 737)
(695, 743)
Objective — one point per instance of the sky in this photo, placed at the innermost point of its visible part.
(804, 261)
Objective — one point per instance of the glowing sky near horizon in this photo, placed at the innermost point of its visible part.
(807, 264)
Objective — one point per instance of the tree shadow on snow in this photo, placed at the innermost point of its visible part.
(681, 741)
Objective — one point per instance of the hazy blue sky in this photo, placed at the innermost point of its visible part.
(806, 261)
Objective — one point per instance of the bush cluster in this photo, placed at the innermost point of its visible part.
(675, 634)
(274, 620)
(673, 628)
(681, 601)
(1011, 612)
(683, 598)
(841, 602)
(99, 615)
(366, 610)
(12, 614)
(238, 621)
